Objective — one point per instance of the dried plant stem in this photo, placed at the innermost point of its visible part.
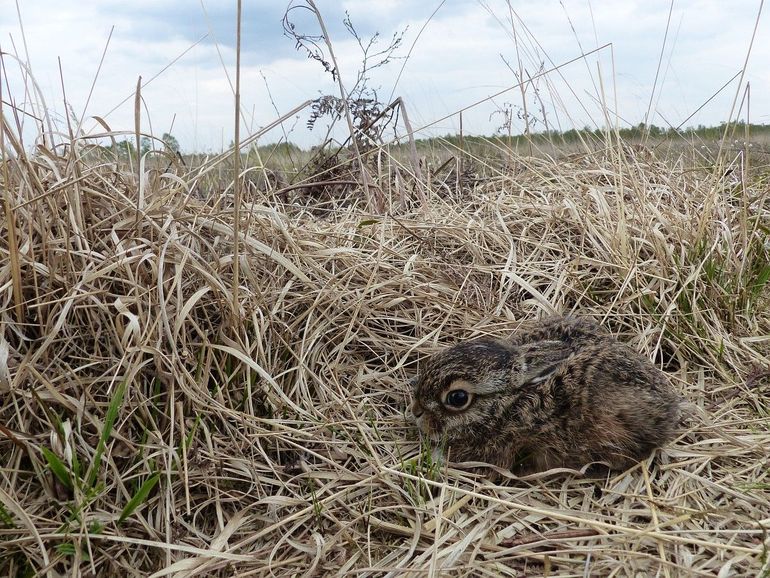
(344, 97)
(236, 306)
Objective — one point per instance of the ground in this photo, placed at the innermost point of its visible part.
(165, 411)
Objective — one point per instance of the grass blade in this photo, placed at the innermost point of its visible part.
(140, 496)
(57, 467)
(109, 422)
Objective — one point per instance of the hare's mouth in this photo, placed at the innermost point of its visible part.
(427, 429)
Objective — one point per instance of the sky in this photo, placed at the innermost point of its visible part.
(661, 61)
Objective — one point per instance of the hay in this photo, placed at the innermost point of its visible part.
(147, 426)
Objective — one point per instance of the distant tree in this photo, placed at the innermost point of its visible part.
(124, 149)
(280, 148)
(145, 145)
(170, 141)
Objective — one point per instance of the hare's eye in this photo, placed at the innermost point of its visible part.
(457, 399)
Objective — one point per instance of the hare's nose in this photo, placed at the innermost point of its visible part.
(416, 409)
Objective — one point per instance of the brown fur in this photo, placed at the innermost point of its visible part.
(560, 393)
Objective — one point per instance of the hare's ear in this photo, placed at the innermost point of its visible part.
(538, 371)
(540, 360)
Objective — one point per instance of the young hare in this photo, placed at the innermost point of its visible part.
(560, 393)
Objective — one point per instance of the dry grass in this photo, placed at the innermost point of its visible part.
(146, 426)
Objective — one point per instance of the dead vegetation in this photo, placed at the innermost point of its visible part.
(146, 426)
(166, 412)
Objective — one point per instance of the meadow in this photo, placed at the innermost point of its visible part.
(165, 411)
(204, 359)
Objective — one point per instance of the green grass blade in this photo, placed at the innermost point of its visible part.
(139, 497)
(762, 278)
(109, 422)
(57, 467)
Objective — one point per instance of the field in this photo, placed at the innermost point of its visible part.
(204, 360)
(166, 412)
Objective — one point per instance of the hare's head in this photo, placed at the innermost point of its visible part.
(462, 386)
(468, 390)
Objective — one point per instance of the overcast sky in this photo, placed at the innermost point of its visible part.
(466, 52)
